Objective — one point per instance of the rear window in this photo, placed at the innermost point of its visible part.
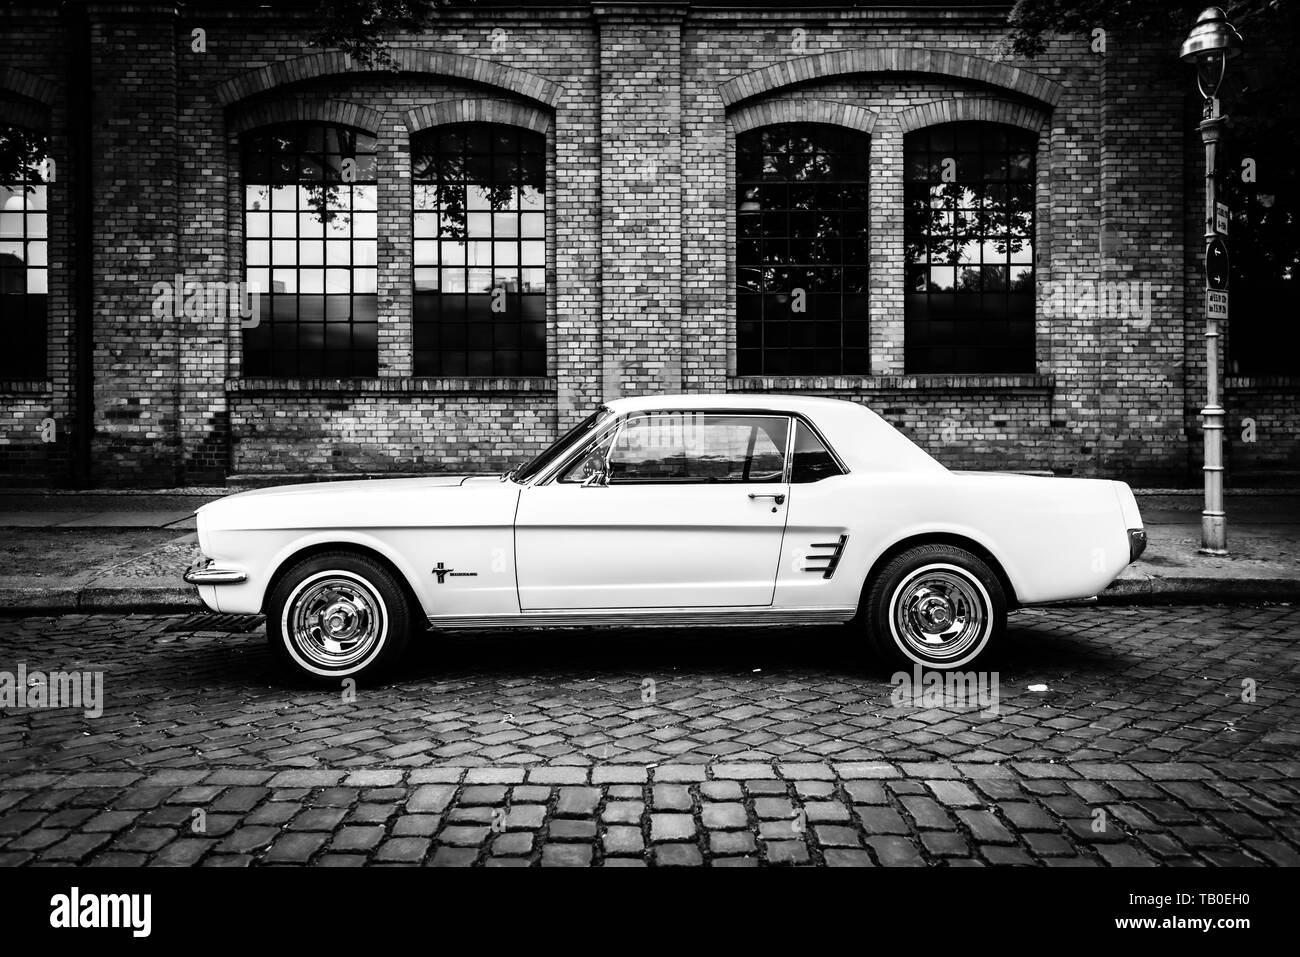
(812, 460)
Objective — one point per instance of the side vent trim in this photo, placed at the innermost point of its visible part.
(830, 560)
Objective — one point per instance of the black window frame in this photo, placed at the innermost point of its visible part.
(304, 333)
(984, 321)
(798, 229)
(1264, 242)
(458, 332)
(24, 309)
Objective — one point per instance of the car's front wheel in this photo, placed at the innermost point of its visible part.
(337, 615)
(935, 605)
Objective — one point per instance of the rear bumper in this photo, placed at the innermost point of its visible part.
(1137, 543)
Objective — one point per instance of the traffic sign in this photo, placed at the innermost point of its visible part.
(1216, 304)
(1216, 264)
(1221, 218)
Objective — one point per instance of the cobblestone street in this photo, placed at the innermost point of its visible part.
(1151, 736)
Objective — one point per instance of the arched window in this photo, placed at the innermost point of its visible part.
(801, 257)
(310, 241)
(24, 257)
(480, 250)
(969, 249)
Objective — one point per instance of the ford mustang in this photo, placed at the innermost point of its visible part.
(683, 510)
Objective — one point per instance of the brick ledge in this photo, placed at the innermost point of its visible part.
(1281, 383)
(892, 383)
(393, 385)
(26, 387)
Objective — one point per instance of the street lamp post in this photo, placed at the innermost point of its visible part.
(1209, 46)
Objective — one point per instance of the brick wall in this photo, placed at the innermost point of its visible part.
(641, 106)
(1260, 429)
(284, 430)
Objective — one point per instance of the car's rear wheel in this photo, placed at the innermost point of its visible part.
(935, 605)
(338, 615)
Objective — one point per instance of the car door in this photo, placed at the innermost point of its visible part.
(666, 509)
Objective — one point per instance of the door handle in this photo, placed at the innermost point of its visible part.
(779, 496)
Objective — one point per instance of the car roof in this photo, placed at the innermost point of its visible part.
(714, 400)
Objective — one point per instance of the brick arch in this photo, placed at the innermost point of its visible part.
(24, 113)
(840, 62)
(317, 109)
(13, 80)
(484, 110)
(314, 65)
(964, 109)
(769, 112)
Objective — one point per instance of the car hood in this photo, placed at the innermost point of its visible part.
(367, 502)
(350, 487)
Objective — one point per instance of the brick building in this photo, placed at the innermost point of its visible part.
(538, 207)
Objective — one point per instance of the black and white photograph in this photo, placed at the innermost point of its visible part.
(668, 434)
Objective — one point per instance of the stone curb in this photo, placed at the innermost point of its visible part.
(95, 599)
(1199, 590)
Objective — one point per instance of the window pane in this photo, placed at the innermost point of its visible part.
(803, 178)
(314, 178)
(968, 249)
(470, 181)
(691, 447)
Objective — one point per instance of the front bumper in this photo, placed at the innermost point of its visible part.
(1137, 543)
(203, 572)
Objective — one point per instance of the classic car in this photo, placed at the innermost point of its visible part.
(676, 510)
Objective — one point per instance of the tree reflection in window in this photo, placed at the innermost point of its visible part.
(310, 227)
(968, 249)
(24, 258)
(801, 256)
(480, 250)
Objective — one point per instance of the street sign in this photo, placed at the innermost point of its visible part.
(1216, 264)
(1221, 218)
(1216, 304)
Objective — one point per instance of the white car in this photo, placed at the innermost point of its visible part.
(678, 510)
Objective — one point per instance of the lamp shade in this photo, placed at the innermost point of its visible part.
(1212, 37)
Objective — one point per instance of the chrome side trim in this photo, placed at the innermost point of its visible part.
(650, 618)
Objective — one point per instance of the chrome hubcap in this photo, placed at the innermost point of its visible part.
(335, 619)
(939, 613)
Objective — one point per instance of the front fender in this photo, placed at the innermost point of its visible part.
(264, 553)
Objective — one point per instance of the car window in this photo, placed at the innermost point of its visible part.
(590, 460)
(812, 461)
(694, 447)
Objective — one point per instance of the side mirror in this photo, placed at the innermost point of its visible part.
(597, 479)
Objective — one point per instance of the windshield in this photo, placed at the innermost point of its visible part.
(562, 445)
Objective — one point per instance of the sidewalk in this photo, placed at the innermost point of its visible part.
(125, 551)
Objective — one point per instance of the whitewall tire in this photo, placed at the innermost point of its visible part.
(337, 615)
(938, 606)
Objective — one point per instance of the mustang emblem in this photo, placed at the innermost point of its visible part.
(442, 573)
